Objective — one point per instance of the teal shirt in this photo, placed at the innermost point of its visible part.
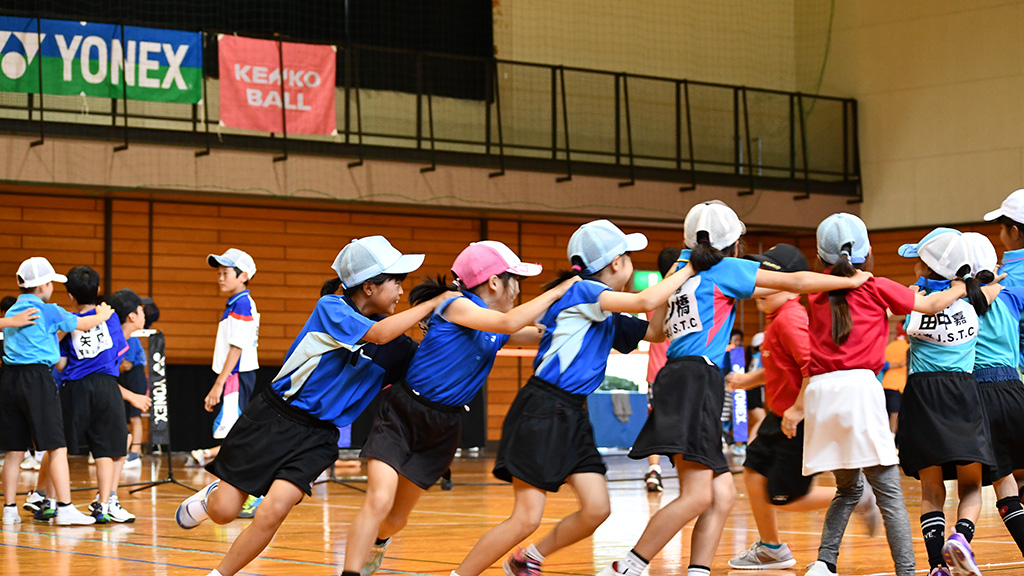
(1013, 267)
(36, 343)
(943, 342)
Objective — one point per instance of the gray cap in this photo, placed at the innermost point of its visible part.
(597, 243)
(365, 258)
(837, 231)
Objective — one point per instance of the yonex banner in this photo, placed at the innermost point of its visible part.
(95, 59)
(250, 85)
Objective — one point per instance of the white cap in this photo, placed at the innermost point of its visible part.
(234, 258)
(942, 249)
(980, 252)
(597, 243)
(758, 339)
(37, 271)
(1012, 207)
(718, 220)
(481, 260)
(837, 231)
(365, 258)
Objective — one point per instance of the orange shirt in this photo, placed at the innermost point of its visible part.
(895, 378)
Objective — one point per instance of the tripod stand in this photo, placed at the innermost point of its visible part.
(333, 478)
(170, 479)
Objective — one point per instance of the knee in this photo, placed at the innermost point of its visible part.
(378, 503)
(595, 514)
(525, 522)
(393, 524)
(220, 514)
(725, 494)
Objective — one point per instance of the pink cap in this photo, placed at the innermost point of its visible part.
(481, 260)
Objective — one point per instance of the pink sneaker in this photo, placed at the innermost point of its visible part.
(519, 564)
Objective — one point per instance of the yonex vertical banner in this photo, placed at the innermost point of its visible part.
(94, 60)
(159, 426)
(250, 85)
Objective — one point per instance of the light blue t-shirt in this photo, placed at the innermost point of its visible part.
(36, 343)
(330, 372)
(1013, 267)
(943, 342)
(999, 336)
(579, 335)
(453, 362)
(702, 311)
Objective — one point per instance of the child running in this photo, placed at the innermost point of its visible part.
(348, 348)
(690, 389)
(546, 438)
(943, 431)
(847, 430)
(417, 430)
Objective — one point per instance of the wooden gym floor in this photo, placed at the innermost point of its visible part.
(440, 532)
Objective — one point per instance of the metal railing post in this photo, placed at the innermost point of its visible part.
(284, 115)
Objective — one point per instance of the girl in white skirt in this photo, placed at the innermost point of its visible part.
(847, 429)
(943, 432)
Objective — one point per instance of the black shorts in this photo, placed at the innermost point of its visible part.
(780, 459)
(246, 384)
(30, 414)
(274, 440)
(755, 398)
(1004, 404)
(686, 417)
(546, 438)
(413, 435)
(94, 416)
(134, 380)
(942, 422)
(892, 401)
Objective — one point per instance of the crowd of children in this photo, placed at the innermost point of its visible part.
(950, 396)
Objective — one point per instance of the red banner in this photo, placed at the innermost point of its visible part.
(250, 85)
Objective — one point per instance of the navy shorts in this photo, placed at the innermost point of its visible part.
(780, 460)
(94, 416)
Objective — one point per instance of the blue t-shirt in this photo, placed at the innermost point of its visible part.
(453, 362)
(95, 351)
(702, 311)
(943, 342)
(36, 343)
(579, 335)
(1013, 267)
(999, 335)
(136, 353)
(330, 372)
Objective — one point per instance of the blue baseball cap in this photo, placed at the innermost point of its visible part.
(837, 231)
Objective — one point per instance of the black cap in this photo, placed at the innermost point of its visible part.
(781, 258)
(124, 302)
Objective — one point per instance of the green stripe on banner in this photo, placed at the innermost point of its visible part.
(102, 79)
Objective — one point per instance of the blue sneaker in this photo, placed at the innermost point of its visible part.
(250, 506)
(192, 511)
(959, 556)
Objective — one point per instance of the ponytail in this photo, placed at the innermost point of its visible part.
(563, 275)
(431, 288)
(842, 322)
(974, 294)
(703, 256)
(330, 287)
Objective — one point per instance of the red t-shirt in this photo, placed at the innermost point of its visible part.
(865, 347)
(785, 354)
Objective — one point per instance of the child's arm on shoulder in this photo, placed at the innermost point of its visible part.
(23, 318)
(938, 301)
(465, 313)
(807, 282)
(103, 313)
(647, 299)
(529, 337)
(386, 330)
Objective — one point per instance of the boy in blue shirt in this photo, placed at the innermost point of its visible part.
(30, 409)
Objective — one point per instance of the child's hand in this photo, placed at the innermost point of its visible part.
(104, 311)
(25, 317)
(791, 418)
(860, 277)
(564, 286)
(140, 401)
(213, 398)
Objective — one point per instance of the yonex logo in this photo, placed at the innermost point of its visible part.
(17, 55)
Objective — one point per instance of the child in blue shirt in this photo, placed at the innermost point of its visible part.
(416, 433)
(547, 439)
(335, 367)
(27, 387)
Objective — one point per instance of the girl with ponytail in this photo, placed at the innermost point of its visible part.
(417, 429)
(547, 439)
(689, 391)
(847, 429)
(943, 432)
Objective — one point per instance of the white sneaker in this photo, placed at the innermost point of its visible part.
(11, 516)
(610, 570)
(761, 557)
(34, 501)
(71, 516)
(133, 463)
(200, 457)
(30, 463)
(192, 511)
(818, 568)
(118, 514)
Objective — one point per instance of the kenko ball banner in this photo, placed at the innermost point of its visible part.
(250, 85)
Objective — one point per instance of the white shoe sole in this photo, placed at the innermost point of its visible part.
(779, 565)
(959, 559)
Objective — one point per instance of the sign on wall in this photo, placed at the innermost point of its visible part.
(100, 59)
(251, 80)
